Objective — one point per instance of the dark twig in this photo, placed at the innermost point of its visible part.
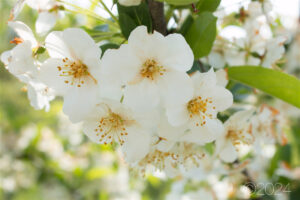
(158, 17)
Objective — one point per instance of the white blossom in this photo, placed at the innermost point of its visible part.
(268, 126)
(113, 122)
(20, 59)
(150, 69)
(38, 93)
(49, 13)
(72, 70)
(238, 131)
(200, 112)
(274, 51)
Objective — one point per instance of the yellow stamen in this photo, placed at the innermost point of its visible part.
(151, 70)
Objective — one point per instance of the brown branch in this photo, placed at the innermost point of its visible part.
(158, 16)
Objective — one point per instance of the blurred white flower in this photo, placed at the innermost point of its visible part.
(20, 59)
(38, 93)
(49, 13)
(200, 194)
(72, 70)
(181, 155)
(268, 126)
(70, 131)
(27, 135)
(49, 144)
(274, 51)
(238, 131)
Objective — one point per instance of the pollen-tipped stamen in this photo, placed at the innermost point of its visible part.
(77, 71)
(151, 69)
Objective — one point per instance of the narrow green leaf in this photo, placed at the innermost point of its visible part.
(133, 16)
(202, 34)
(273, 82)
(179, 2)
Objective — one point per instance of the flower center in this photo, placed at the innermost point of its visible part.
(151, 69)
(182, 154)
(240, 136)
(111, 128)
(199, 107)
(77, 71)
(158, 159)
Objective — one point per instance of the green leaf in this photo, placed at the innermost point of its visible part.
(107, 46)
(186, 25)
(273, 82)
(202, 34)
(207, 5)
(178, 2)
(133, 16)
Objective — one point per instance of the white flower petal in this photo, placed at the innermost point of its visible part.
(165, 145)
(178, 54)
(216, 60)
(204, 80)
(221, 97)
(141, 97)
(169, 135)
(45, 22)
(168, 131)
(175, 88)
(39, 95)
(137, 144)
(80, 102)
(79, 42)
(228, 153)
(23, 32)
(6, 57)
(177, 115)
(204, 134)
(56, 46)
(50, 75)
(91, 58)
(239, 118)
(17, 9)
(222, 77)
(110, 90)
(21, 59)
(146, 45)
(41, 4)
(89, 127)
(123, 69)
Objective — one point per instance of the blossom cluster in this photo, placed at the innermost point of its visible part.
(151, 108)
(142, 96)
(138, 96)
(253, 42)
